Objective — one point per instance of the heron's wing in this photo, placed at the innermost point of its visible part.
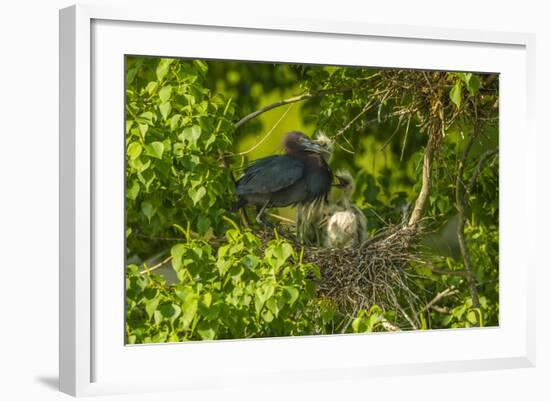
(269, 174)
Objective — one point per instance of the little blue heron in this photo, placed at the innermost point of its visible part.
(298, 177)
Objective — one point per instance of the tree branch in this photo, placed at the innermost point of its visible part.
(420, 203)
(480, 165)
(446, 272)
(294, 99)
(354, 119)
(461, 208)
(266, 135)
(148, 270)
(445, 293)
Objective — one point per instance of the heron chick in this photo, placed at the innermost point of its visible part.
(346, 225)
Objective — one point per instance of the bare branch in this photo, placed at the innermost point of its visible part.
(294, 99)
(483, 159)
(420, 203)
(446, 272)
(443, 294)
(354, 119)
(266, 135)
(148, 270)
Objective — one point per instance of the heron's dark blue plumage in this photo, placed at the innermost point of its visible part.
(300, 176)
(269, 174)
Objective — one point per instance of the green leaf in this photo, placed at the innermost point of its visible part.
(251, 261)
(184, 292)
(165, 109)
(170, 311)
(147, 117)
(223, 266)
(202, 66)
(203, 224)
(148, 210)
(134, 150)
(474, 83)
(158, 318)
(267, 315)
(155, 149)
(292, 294)
(273, 306)
(174, 121)
(192, 134)
(446, 320)
(133, 191)
(147, 178)
(278, 254)
(151, 87)
(165, 92)
(207, 299)
(356, 325)
(189, 308)
(163, 68)
(456, 93)
(177, 252)
(197, 194)
(143, 128)
(207, 330)
(129, 124)
(130, 75)
(286, 251)
(265, 292)
(209, 141)
(151, 306)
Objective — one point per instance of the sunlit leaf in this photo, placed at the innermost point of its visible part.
(155, 149)
(165, 92)
(165, 109)
(456, 93)
(134, 150)
(163, 68)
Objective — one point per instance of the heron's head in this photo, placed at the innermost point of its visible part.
(298, 142)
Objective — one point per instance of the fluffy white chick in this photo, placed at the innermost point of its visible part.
(346, 224)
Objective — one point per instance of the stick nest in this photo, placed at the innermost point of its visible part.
(377, 272)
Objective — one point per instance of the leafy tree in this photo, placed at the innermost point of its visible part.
(183, 138)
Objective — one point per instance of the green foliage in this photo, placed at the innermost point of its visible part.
(368, 321)
(232, 292)
(176, 134)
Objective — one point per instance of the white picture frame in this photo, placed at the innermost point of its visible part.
(93, 360)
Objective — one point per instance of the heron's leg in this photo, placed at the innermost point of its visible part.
(260, 213)
(244, 217)
(299, 228)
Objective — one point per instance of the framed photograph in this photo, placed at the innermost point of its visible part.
(264, 198)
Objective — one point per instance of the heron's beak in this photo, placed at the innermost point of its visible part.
(342, 182)
(312, 146)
